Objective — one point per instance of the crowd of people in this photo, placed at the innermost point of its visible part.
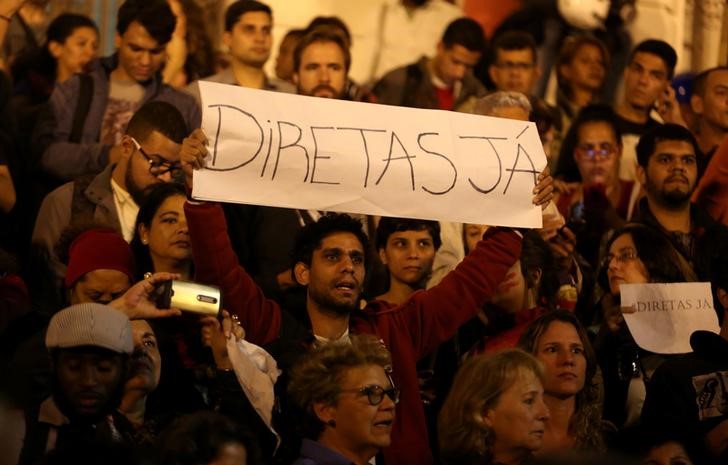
(345, 338)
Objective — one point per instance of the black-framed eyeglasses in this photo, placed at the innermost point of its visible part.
(375, 393)
(157, 167)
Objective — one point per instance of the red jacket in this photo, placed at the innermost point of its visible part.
(410, 331)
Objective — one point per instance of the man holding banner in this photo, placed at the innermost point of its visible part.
(330, 261)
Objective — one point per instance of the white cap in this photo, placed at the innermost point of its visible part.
(90, 324)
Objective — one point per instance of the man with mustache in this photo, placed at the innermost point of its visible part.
(321, 64)
(89, 365)
(668, 171)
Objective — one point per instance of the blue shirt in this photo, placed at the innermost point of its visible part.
(315, 453)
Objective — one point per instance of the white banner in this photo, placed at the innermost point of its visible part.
(667, 314)
(312, 153)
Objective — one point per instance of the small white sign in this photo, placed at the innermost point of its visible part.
(667, 314)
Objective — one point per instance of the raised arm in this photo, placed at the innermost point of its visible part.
(215, 261)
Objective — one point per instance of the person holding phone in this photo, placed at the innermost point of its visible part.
(646, 88)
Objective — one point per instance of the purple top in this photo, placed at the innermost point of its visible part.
(315, 453)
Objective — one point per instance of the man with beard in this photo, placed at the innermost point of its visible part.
(329, 260)
(150, 154)
(668, 171)
(89, 366)
(321, 64)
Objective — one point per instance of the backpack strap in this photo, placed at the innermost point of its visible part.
(85, 92)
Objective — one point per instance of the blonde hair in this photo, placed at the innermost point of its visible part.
(463, 435)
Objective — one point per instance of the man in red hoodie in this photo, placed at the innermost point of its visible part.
(329, 259)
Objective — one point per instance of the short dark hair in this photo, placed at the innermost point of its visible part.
(154, 15)
(239, 8)
(701, 79)
(153, 198)
(200, 437)
(388, 226)
(333, 22)
(659, 48)
(158, 116)
(465, 32)
(596, 113)
(513, 40)
(321, 34)
(311, 236)
(649, 140)
(536, 254)
(719, 277)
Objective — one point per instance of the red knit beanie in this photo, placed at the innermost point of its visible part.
(98, 249)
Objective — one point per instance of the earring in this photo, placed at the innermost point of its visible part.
(331, 423)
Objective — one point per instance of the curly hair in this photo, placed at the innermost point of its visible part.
(317, 377)
(585, 423)
(463, 434)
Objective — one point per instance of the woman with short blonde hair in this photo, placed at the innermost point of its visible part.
(495, 411)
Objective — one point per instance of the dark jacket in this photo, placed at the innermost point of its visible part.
(706, 235)
(66, 160)
(411, 86)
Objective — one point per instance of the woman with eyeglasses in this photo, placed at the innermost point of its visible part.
(344, 397)
(572, 389)
(495, 411)
(635, 254)
(592, 198)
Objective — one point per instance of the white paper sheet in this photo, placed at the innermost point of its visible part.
(667, 314)
(312, 153)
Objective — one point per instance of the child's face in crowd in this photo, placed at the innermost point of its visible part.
(408, 256)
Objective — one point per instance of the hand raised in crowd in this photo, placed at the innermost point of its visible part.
(563, 245)
(215, 334)
(543, 192)
(138, 302)
(669, 108)
(193, 154)
(614, 314)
